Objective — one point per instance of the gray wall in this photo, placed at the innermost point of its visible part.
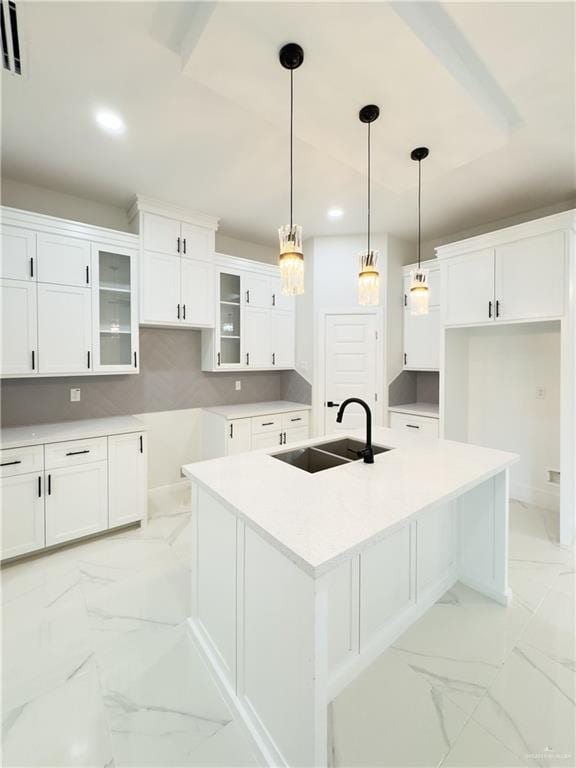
(414, 387)
(170, 379)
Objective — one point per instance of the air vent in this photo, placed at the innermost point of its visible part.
(11, 49)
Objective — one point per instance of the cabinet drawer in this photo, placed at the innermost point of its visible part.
(75, 452)
(266, 424)
(417, 424)
(295, 419)
(19, 461)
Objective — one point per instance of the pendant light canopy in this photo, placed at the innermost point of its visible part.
(419, 290)
(291, 259)
(368, 276)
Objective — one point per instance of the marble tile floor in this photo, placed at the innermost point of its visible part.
(98, 669)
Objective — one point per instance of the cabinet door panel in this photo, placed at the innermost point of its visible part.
(257, 338)
(64, 329)
(22, 514)
(160, 288)
(422, 340)
(197, 293)
(279, 300)
(266, 440)
(18, 253)
(257, 291)
(127, 478)
(63, 260)
(197, 242)
(239, 436)
(19, 328)
(282, 338)
(76, 502)
(468, 288)
(530, 277)
(296, 435)
(160, 234)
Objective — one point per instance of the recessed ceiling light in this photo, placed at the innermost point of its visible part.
(110, 122)
(335, 213)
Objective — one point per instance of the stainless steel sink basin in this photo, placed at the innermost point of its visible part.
(348, 448)
(335, 453)
(310, 459)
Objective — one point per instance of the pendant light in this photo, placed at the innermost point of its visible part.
(419, 290)
(291, 259)
(368, 276)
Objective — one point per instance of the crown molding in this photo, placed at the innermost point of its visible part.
(161, 208)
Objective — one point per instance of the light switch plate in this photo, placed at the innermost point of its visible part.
(75, 395)
(238, 386)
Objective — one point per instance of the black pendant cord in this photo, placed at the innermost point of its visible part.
(291, 146)
(419, 208)
(369, 260)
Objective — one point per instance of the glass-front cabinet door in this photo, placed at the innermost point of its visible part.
(114, 298)
(229, 348)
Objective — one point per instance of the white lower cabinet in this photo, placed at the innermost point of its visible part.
(226, 436)
(65, 329)
(126, 478)
(22, 514)
(61, 491)
(76, 501)
(238, 436)
(423, 425)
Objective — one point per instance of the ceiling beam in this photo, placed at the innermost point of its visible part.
(438, 32)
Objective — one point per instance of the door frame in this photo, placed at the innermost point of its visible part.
(318, 393)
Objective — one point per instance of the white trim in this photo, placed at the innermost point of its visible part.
(141, 203)
(558, 221)
(318, 388)
(54, 225)
(428, 264)
(236, 262)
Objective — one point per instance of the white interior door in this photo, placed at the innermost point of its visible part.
(64, 329)
(350, 355)
(19, 328)
(18, 257)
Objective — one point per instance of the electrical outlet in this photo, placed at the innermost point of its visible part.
(75, 395)
(540, 393)
(238, 385)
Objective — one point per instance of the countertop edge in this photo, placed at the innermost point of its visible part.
(59, 432)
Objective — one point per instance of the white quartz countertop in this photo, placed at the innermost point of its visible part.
(416, 409)
(319, 520)
(247, 410)
(17, 437)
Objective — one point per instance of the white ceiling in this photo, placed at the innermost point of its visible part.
(489, 87)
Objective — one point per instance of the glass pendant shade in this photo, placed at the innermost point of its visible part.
(419, 292)
(369, 279)
(291, 260)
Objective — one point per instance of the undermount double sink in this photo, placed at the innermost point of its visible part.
(335, 453)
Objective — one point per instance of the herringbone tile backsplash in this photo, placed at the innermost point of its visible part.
(170, 378)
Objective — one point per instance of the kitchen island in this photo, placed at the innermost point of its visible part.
(307, 565)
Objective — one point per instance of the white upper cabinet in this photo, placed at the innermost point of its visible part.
(519, 276)
(257, 290)
(422, 332)
(65, 330)
(257, 341)
(69, 298)
(196, 293)
(160, 234)
(530, 278)
(19, 328)
(253, 331)
(283, 342)
(18, 254)
(63, 260)
(177, 272)
(280, 300)
(468, 288)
